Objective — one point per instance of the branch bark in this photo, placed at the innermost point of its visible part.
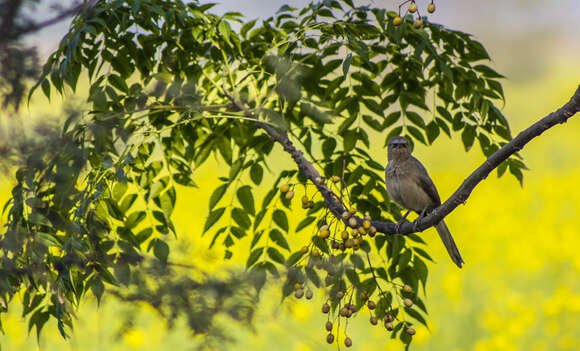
(459, 196)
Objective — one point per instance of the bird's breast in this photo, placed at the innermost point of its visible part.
(405, 190)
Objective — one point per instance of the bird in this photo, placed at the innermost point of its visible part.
(410, 186)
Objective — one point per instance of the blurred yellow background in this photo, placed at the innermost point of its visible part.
(520, 287)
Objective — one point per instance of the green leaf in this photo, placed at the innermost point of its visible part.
(256, 173)
(416, 119)
(217, 195)
(213, 217)
(346, 64)
(241, 217)
(349, 140)
(275, 255)
(357, 261)
(246, 199)
(305, 223)
(161, 250)
(277, 237)
(468, 137)
(281, 219)
(421, 270)
(254, 256)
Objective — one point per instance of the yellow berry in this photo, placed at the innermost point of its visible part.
(339, 295)
(389, 326)
(299, 293)
(289, 195)
(330, 338)
(345, 215)
(324, 232)
(305, 199)
(410, 331)
(348, 342)
(431, 8)
(352, 222)
(304, 249)
(344, 235)
(408, 302)
(418, 23)
(285, 188)
(315, 252)
(349, 243)
(407, 289)
(413, 7)
(367, 224)
(361, 231)
(309, 294)
(397, 21)
(352, 210)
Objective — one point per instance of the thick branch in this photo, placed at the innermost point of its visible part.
(460, 195)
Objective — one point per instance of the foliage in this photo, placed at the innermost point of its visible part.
(161, 73)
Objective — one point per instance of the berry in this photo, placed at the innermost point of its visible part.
(364, 295)
(418, 23)
(344, 311)
(318, 180)
(352, 222)
(309, 294)
(366, 224)
(407, 289)
(289, 195)
(352, 210)
(325, 308)
(431, 8)
(304, 249)
(389, 326)
(397, 21)
(349, 243)
(305, 199)
(410, 331)
(315, 252)
(371, 305)
(344, 235)
(374, 320)
(330, 338)
(285, 188)
(408, 302)
(328, 326)
(324, 232)
(339, 295)
(413, 7)
(299, 293)
(345, 215)
(348, 342)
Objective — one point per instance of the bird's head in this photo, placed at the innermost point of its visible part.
(398, 148)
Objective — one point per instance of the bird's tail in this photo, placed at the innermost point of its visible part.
(449, 243)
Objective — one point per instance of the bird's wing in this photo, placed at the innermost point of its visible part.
(426, 183)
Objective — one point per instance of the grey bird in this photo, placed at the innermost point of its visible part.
(410, 186)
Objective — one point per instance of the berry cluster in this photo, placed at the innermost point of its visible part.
(337, 240)
(418, 22)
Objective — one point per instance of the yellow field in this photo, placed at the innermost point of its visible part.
(519, 289)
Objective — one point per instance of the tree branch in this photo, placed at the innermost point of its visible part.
(461, 194)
